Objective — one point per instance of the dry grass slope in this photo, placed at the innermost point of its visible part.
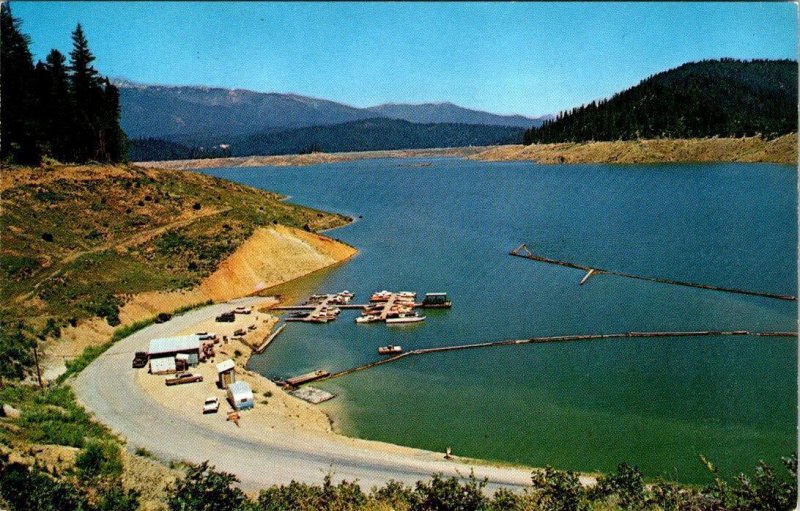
(750, 149)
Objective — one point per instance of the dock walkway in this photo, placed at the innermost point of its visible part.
(523, 251)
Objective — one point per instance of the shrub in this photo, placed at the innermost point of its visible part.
(98, 460)
(626, 485)
(26, 489)
(440, 494)
(46, 236)
(557, 490)
(205, 489)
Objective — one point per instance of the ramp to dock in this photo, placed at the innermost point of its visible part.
(524, 252)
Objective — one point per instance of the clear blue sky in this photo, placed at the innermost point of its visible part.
(527, 58)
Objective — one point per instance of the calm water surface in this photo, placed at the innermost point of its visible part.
(658, 404)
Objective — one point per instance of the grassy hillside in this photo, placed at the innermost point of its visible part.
(78, 240)
(726, 98)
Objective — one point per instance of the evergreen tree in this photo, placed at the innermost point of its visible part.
(113, 135)
(18, 129)
(59, 123)
(87, 96)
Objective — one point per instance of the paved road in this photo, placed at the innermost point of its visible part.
(107, 387)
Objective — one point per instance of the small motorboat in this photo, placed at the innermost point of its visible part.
(404, 319)
(369, 318)
(390, 350)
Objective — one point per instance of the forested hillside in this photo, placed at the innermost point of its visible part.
(374, 134)
(726, 98)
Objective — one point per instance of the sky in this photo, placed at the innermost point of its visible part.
(525, 58)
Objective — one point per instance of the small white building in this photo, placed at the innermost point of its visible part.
(240, 396)
(163, 353)
(226, 373)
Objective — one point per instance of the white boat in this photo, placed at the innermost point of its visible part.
(367, 319)
(404, 319)
(390, 350)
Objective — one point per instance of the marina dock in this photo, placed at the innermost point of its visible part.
(523, 251)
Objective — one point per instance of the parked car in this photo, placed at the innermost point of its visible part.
(242, 310)
(163, 317)
(226, 317)
(139, 360)
(211, 405)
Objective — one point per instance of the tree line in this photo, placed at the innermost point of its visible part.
(96, 486)
(57, 109)
(725, 98)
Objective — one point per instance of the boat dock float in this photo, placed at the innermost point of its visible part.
(308, 377)
(557, 338)
(271, 337)
(523, 251)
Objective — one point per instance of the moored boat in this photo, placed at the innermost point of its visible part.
(390, 350)
(403, 319)
(369, 318)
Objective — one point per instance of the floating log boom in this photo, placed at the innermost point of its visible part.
(556, 338)
(523, 251)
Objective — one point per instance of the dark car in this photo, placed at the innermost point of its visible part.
(226, 317)
(139, 360)
(163, 317)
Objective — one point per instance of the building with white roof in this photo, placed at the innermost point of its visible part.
(163, 353)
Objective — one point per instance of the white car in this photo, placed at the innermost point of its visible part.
(211, 405)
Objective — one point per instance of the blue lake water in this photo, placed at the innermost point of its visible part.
(656, 403)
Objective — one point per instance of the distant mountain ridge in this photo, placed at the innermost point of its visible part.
(431, 113)
(209, 114)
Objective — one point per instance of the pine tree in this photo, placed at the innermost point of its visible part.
(60, 121)
(17, 127)
(114, 137)
(87, 96)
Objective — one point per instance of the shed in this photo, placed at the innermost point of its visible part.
(163, 351)
(226, 373)
(240, 396)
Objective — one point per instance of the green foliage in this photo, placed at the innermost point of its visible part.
(205, 489)
(765, 490)
(16, 345)
(626, 487)
(727, 98)
(396, 494)
(30, 489)
(69, 114)
(99, 460)
(557, 490)
(450, 494)
(52, 416)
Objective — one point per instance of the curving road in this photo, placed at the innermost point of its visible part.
(108, 388)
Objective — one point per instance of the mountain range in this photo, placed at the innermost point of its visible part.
(191, 113)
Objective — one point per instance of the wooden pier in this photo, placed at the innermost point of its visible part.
(523, 251)
(551, 339)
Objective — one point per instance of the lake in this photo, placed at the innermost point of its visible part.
(655, 403)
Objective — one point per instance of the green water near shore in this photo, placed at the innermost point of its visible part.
(656, 403)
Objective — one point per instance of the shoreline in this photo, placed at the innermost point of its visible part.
(698, 150)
